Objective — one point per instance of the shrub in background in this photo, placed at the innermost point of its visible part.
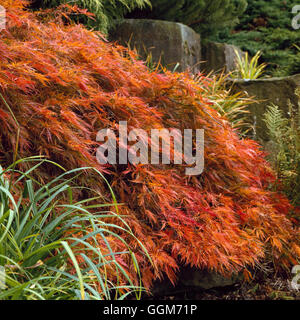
(64, 83)
(266, 25)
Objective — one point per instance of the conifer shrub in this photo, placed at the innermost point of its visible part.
(266, 25)
(63, 83)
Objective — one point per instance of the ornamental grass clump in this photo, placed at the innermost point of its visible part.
(47, 240)
(247, 68)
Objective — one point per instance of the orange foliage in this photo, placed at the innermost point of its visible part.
(64, 83)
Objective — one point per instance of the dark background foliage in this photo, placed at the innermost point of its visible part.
(266, 26)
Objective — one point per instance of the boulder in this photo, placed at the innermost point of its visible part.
(191, 278)
(267, 91)
(204, 279)
(219, 56)
(168, 42)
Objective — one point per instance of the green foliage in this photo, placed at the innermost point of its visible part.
(266, 26)
(232, 106)
(284, 134)
(206, 17)
(43, 229)
(248, 69)
(105, 11)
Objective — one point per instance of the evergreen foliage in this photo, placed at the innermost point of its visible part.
(266, 25)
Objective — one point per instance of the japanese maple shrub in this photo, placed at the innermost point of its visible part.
(63, 83)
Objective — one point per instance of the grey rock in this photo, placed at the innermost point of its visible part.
(267, 91)
(168, 42)
(219, 56)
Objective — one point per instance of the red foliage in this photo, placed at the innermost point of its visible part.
(64, 83)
